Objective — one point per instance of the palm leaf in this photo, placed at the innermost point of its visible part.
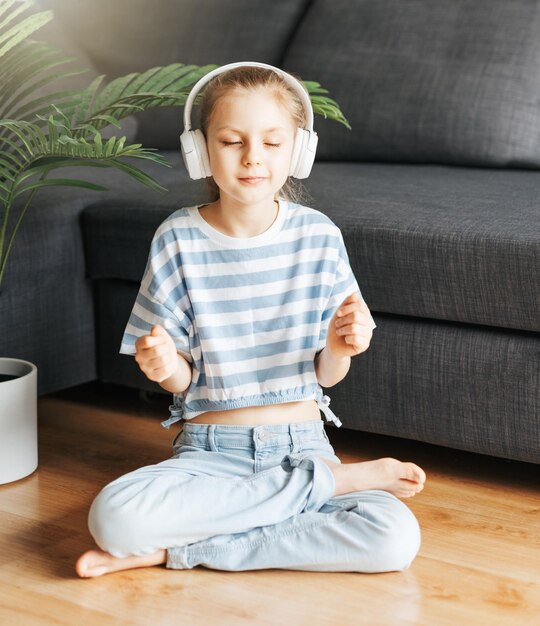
(60, 182)
(323, 105)
(5, 6)
(38, 153)
(59, 148)
(19, 70)
(22, 30)
(18, 96)
(157, 87)
(26, 63)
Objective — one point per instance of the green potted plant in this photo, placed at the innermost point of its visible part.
(43, 130)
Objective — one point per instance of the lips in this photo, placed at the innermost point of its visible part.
(252, 180)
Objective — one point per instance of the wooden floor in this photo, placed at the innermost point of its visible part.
(479, 563)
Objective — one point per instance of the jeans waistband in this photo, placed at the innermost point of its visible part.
(232, 435)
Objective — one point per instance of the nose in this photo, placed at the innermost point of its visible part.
(252, 154)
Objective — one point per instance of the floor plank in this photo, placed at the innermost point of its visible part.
(479, 562)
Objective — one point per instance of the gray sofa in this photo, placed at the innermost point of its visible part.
(436, 190)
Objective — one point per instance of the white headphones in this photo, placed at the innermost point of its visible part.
(193, 143)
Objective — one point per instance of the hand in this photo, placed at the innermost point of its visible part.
(351, 328)
(156, 354)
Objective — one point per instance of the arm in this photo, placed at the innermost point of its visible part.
(349, 333)
(331, 369)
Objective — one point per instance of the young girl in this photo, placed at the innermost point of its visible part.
(247, 307)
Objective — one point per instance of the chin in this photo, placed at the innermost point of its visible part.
(254, 197)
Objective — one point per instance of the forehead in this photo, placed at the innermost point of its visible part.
(247, 108)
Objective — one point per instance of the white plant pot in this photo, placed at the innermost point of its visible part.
(18, 420)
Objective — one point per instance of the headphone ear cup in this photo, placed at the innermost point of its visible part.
(297, 151)
(202, 153)
(195, 154)
(303, 156)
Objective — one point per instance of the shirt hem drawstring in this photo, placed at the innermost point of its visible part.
(177, 411)
(329, 415)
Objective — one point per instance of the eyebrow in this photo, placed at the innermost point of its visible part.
(268, 130)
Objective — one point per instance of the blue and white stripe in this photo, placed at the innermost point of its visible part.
(249, 314)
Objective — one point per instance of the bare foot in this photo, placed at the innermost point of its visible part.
(96, 562)
(400, 479)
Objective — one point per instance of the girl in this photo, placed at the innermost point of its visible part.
(247, 307)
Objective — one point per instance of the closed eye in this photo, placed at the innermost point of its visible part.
(236, 143)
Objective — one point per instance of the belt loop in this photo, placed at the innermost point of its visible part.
(212, 437)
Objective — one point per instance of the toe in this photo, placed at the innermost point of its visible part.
(81, 568)
(407, 493)
(421, 475)
(415, 473)
(90, 565)
(410, 472)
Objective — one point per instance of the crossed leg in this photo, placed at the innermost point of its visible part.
(402, 480)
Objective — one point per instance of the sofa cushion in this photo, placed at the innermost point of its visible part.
(124, 36)
(438, 242)
(426, 81)
(441, 242)
(46, 302)
(453, 385)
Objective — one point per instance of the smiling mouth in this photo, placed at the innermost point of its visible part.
(253, 179)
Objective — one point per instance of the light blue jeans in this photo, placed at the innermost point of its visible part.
(244, 498)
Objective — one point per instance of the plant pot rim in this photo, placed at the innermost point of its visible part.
(19, 368)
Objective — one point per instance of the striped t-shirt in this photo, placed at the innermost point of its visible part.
(249, 314)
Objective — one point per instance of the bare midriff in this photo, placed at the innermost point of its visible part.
(300, 411)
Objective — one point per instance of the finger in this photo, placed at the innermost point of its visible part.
(158, 331)
(353, 297)
(355, 317)
(160, 350)
(159, 374)
(356, 330)
(357, 343)
(345, 309)
(147, 357)
(148, 342)
(352, 302)
(152, 361)
(151, 366)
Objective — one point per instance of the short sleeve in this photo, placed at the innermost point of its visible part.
(162, 298)
(344, 285)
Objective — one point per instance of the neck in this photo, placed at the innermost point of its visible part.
(237, 220)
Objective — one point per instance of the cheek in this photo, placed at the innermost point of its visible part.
(283, 162)
(219, 162)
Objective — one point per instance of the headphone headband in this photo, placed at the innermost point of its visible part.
(290, 80)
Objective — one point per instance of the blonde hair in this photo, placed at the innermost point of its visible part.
(252, 78)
